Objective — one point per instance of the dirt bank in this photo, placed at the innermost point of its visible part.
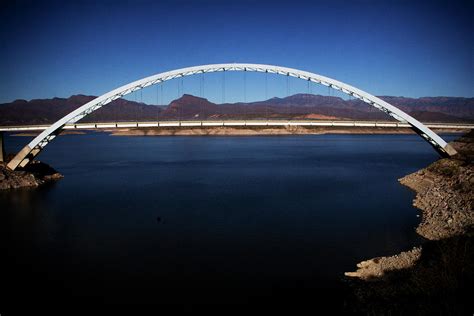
(437, 276)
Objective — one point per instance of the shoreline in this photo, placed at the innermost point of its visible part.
(265, 131)
(443, 266)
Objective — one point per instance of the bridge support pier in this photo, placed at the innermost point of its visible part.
(2, 148)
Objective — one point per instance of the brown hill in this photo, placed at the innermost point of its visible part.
(46, 111)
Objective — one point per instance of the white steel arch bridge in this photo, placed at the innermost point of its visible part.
(33, 148)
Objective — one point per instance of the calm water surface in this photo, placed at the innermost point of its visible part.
(207, 219)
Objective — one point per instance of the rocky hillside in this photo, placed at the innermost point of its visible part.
(438, 276)
(445, 193)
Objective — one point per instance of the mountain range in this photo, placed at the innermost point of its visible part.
(189, 107)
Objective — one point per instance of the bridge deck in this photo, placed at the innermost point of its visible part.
(108, 125)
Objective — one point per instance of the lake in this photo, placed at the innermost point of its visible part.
(154, 220)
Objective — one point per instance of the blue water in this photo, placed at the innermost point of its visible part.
(207, 219)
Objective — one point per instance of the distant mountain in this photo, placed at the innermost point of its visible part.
(454, 106)
(299, 106)
(46, 111)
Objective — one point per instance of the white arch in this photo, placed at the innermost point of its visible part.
(37, 144)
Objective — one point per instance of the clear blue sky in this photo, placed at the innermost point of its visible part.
(409, 48)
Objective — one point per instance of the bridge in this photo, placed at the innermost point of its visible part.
(33, 148)
(215, 123)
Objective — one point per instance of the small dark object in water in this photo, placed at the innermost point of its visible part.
(158, 219)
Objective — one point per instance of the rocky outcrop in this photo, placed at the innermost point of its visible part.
(377, 268)
(445, 194)
(35, 174)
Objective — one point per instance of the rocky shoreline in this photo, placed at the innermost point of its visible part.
(441, 271)
(35, 174)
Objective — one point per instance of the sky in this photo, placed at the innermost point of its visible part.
(401, 48)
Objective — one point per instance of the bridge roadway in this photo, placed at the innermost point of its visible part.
(110, 125)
